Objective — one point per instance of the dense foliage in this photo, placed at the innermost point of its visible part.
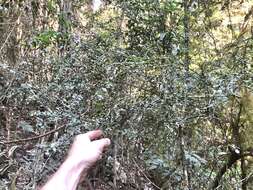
(169, 81)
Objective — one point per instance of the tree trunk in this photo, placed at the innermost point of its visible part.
(186, 21)
(64, 24)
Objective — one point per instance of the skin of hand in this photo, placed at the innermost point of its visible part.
(84, 153)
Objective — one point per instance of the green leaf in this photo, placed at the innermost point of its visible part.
(25, 126)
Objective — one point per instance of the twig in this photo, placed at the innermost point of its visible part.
(145, 175)
(33, 138)
(115, 164)
(8, 125)
(9, 35)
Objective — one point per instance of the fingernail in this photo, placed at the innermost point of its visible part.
(108, 141)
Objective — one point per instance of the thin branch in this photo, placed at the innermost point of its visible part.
(9, 35)
(146, 175)
(33, 138)
(232, 159)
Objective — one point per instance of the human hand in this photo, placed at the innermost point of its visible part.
(86, 150)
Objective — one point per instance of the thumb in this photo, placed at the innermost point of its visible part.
(101, 144)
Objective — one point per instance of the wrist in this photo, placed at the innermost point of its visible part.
(74, 165)
(66, 177)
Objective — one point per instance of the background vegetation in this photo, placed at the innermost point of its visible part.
(169, 81)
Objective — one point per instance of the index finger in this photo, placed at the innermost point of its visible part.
(94, 134)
